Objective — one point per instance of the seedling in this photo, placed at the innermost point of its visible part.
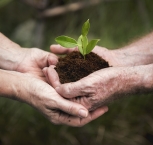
(82, 43)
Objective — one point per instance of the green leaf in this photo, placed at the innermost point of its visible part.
(91, 45)
(80, 44)
(84, 43)
(85, 28)
(66, 41)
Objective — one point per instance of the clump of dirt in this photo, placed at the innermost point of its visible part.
(73, 66)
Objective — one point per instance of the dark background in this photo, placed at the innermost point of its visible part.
(117, 23)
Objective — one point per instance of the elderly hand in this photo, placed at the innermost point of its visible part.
(22, 78)
(104, 86)
(138, 53)
(44, 98)
(106, 54)
(25, 60)
(32, 61)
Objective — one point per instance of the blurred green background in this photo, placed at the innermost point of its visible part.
(116, 23)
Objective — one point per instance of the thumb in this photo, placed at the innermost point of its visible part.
(52, 76)
(71, 90)
(58, 49)
(72, 108)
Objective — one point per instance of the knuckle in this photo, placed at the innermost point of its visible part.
(71, 109)
(68, 89)
(89, 88)
(53, 117)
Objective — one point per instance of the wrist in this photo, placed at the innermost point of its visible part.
(135, 80)
(10, 53)
(132, 56)
(15, 86)
(9, 84)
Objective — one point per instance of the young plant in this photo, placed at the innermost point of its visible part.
(82, 43)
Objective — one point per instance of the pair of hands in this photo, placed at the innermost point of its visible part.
(31, 67)
(103, 86)
(92, 88)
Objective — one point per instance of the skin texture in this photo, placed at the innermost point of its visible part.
(106, 85)
(22, 79)
(132, 73)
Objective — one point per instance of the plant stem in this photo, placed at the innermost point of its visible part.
(84, 56)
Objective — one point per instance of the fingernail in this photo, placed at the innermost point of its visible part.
(83, 113)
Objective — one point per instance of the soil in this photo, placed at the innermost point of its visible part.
(73, 66)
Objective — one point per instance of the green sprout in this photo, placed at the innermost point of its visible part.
(82, 43)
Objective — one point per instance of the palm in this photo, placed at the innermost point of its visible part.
(34, 61)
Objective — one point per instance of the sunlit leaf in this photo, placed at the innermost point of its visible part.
(80, 44)
(66, 41)
(84, 43)
(91, 45)
(85, 28)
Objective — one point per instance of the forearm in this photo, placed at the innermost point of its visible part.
(14, 86)
(8, 84)
(9, 53)
(121, 82)
(138, 79)
(139, 52)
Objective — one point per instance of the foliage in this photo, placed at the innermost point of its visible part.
(84, 46)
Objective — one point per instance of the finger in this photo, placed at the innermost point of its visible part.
(72, 108)
(94, 114)
(45, 74)
(71, 90)
(52, 59)
(58, 49)
(78, 122)
(52, 76)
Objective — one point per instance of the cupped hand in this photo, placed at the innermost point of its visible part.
(44, 98)
(32, 61)
(91, 91)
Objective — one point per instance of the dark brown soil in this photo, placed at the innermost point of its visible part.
(73, 66)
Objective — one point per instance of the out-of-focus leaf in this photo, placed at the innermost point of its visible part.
(4, 2)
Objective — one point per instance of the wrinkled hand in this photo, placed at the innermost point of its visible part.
(105, 85)
(44, 98)
(93, 91)
(33, 60)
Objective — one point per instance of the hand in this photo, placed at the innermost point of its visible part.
(32, 64)
(15, 58)
(32, 61)
(88, 89)
(44, 98)
(103, 86)
(107, 55)
(132, 55)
